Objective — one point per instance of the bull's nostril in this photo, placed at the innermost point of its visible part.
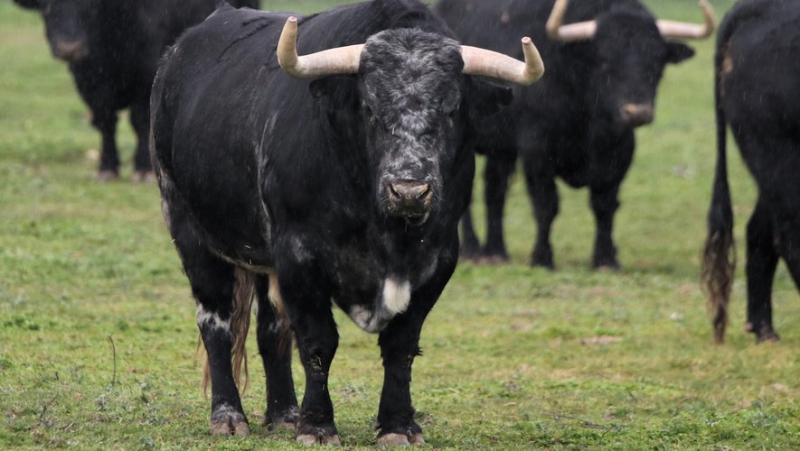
(393, 194)
(426, 190)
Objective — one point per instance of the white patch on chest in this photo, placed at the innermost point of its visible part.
(395, 299)
(396, 295)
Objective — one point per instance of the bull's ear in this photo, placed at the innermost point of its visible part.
(489, 98)
(29, 4)
(678, 52)
(338, 89)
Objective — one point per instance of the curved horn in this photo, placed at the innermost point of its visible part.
(578, 31)
(682, 30)
(486, 63)
(340, 60)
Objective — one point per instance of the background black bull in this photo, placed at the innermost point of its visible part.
(757, 75)
(578, 124)
(346, 189)
(113, 48)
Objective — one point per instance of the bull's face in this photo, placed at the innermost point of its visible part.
(67, 25)
(410, 90)
(631, 56)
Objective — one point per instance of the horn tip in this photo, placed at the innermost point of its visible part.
(292, 19)
(526, 41)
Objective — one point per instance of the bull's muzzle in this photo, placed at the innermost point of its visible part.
(69, 51)
(636, 114)
(409, 199)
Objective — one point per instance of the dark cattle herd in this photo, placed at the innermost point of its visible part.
(307, 162)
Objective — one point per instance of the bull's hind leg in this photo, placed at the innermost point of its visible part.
(544, 194)
(213, 283)
(762, 259)
(275, 346)
(496, 177)
(307, 297)
(140, 120)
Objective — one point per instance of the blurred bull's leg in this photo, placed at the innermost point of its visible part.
(104, 120)
(470, 246)
(496, 178)
(544, 196)
(604, 202)
(140, 120)
(762, 260)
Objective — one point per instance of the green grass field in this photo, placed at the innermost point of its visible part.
(515, 358)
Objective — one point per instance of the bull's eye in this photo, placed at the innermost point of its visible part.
(453, 113)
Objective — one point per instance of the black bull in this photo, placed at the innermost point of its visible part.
(112, 48)
(757, 77)
(605, 59)
(347, 189)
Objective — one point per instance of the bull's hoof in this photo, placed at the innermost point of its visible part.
(140, 176)
(470, 255)
(767, 337)
(226, 421)
(607, 266)
(605, 263)
(314, 439)
(543, 260)
(287, 421)
(401, 439)
(106, 175)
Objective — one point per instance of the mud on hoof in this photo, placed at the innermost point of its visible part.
(227, 421)
(287, 421)
(310, 435)
(412, 438)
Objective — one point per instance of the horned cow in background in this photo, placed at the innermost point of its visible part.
(605, 59)
(112, 48)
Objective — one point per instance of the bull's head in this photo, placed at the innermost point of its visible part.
(631, 50)
(66, 24)
(411, 93)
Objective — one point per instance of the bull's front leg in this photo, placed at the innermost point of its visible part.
(399, 344)
(604, 201)
(306, 294)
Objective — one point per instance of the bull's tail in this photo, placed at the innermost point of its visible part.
(243, 294)
(719, 256)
